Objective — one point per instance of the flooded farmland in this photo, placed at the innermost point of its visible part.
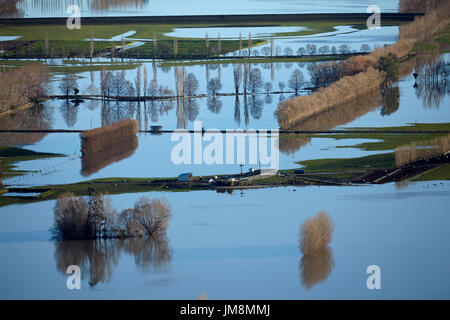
(308, 224)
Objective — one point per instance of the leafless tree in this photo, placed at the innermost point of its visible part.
(255, 81)
(191, 85)
(288, 51)
(250, 44)
(296, 81)
(324, 50)
(301, 51)
(268, 87)
(311, 49)
(68, 83)
(91, 47)
(344, 49)
(237, 76)
(365, 48)
(214, 86)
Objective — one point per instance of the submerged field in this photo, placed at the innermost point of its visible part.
(204, 253)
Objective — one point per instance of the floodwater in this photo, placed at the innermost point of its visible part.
(58, 8)
(152, 154)
(244, 248)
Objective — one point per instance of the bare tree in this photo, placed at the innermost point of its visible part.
(137, 82)
(219, 44)
(288, 51)
(324, 50)
(333, 50)
(301, 51)
(296, 81)
(91, 47)
(268, 87)
(255, 81)
(214, 86)
(237, 76)
(207, 44)
(145, 81)
(68, 83)
(175, 47)
(282, 86)
(266, 51)
(365, 48)
(240, 44)
(311, 49)
(250, 44)
(155, 45)
(344, 49)
(271, 46)
(191, 85)
(46, 45)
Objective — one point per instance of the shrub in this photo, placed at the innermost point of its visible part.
(316, 233)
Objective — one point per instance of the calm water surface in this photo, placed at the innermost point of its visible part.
(245, 248)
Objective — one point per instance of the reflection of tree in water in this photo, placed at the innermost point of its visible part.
(149, 252)
(432, 83)
(97, 258)
(69, 112)
(316, 267)
(192, 109)
(237, 111)
(317, 261)
(391, 100)
(116, 111)
(268, 99)
(181, 115)
(47, 6)
(38, 117)
(256, 106)
(214, 104)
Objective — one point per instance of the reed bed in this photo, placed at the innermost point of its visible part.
(108, 137)
(422, 150)
(366, 78)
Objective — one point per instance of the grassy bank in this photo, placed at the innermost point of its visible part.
(9, 156)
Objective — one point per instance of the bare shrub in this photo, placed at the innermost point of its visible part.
(316, 233)
(71, 218)
(149, 218)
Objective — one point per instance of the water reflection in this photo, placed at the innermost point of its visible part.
(96, 161)
(432, 83)
(317, 261)
(38, 117)
(316, 268)
(98, 258)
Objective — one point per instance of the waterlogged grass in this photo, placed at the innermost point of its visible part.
(439, 173)
(378, 161)
(10, 155)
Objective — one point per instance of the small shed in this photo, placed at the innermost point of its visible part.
(185, 177)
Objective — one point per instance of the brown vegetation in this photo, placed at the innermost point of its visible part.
(21, 86)
(345, 90)
(316, 267)
(329, 119)
(103, 138)
(316, 233)
(78, 219)
(95, 161)
(359, 75)
(422, 150)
